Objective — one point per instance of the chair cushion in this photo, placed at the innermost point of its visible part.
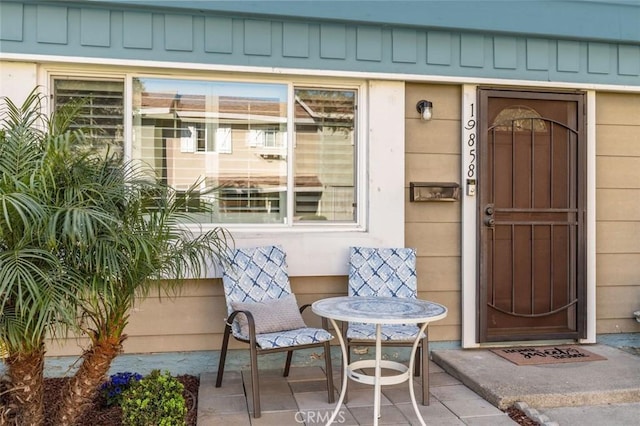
(300, 336)
(360, 331)
(271, 315)
(389, 272)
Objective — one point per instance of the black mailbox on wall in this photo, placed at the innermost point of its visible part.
(434, 191)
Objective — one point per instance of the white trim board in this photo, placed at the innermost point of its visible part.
(314, 72)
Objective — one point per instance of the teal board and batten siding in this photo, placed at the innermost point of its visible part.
(209, 37)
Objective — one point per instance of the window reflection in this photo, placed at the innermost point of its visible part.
(230, 137)
(233, 139)
(325, 155)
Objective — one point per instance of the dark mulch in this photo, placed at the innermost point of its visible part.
(101, 415)
(520, 417)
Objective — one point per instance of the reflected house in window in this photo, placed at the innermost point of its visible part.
(325, 154)
(264, 195)
(189, 137)
(256, 195)
(237, 147)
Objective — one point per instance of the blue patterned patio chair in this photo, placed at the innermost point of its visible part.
(263, 312)
(387, 272)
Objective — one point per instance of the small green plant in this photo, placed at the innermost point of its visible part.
(113, 388)
(155, 400)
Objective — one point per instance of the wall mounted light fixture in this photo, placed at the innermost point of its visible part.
(425, 108)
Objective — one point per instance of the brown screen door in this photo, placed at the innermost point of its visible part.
(531, 216)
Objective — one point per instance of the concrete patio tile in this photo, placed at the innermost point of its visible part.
(267, 379)
(454, 421)
(497, 420)
(308, 401)
(265, 376)
(389, 415)
(435, 368)
(453, 392)
(272, 385)
(270, 402)
(472, 408)
(595, 415)
(225, 420)
(435, 413)
(223, 405)
(435, 410)
(275, 419)
(364, 397)
(231, 384)
(320, 417)
(306, 373)
(399, 395)
(264, 373)
(442, 379)
(355, 386)
(308, 386)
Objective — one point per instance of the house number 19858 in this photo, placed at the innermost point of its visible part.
(470, 136)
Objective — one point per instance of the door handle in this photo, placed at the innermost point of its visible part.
(489, 220)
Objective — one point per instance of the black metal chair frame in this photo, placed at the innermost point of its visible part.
(255, 351)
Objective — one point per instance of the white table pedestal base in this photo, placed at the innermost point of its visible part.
(379, 310)
(385, 365)
(377, 380)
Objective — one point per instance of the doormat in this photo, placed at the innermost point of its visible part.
(547, 355)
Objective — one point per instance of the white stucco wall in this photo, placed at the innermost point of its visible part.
(17, 80)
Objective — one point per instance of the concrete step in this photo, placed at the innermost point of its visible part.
(503, 383)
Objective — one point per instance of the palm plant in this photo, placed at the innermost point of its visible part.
(80, 232)
(153, 248)
(37, 294)
(151, 243)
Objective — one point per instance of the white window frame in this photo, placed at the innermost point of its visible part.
(190, 142)
(381, 188)
(223, 140)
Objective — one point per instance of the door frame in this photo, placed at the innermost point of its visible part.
(469, 222)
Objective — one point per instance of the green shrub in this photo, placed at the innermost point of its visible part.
(155, 400)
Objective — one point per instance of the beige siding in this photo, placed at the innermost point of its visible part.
(163, 324)
(439, 273)
(426, 137)
(617, 140)
(612, 304)
(617, 212)
(433, 155)
(617, 205)
(195, 319)
(617, 269)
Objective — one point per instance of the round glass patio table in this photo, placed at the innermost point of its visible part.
(378, 311)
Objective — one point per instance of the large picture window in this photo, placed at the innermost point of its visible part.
(260, 153)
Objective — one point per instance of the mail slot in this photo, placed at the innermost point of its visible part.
(434, 191)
